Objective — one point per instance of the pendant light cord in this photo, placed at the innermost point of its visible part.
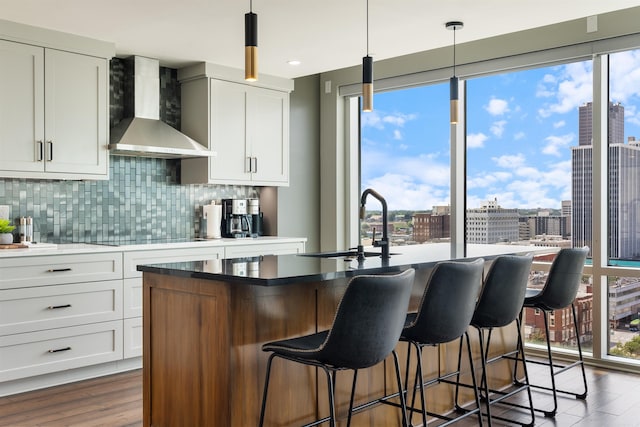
(367, 27)
(251, 10)
(454, 51)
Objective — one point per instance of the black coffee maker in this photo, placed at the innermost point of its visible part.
(236, 221)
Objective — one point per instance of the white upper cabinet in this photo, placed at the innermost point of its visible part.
(268, 135)
(54, 105)
(21, 107)
(246, 125)
(76, 114)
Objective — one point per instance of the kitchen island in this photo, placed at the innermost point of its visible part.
(205, 322)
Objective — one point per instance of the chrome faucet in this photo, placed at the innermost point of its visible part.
(384, 242)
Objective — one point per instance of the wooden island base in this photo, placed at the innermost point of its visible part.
(203, 363)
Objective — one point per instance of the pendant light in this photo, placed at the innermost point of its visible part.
(250, 45)
(453, 82)
(367, 75)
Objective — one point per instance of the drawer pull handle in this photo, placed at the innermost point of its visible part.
(58, 270)
(58, 350)
(55, 307)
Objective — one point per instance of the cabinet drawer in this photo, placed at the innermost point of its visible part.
(134, 258)
(48, 307)
(132, 306)
(37, 353)
(132, 333)
(59, 269)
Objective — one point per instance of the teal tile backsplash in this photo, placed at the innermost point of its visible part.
(142, 199)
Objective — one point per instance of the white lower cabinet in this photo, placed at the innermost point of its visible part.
(42, 352)
(132, 335)
(66, 317)
(59, 312)
(48, 307)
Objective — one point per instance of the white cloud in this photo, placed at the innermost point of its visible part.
(555, 144)
(378, 119)
(497, 107)
(476, 140)
(510, 161)
(559, 124)
(372, 119)
(403, 147)
(631, 114)
(488, 179)
(398, 119)
(545, 87)
(531, 189)
(497, 128)
(573, 88)
(518, 136)
(397, 135)
(625, 75)
(404, 192)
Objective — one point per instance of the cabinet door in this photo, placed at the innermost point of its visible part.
(21, 107)
(228, 115)
(268, 135)
(76, 114)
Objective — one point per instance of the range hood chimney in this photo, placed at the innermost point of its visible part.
(144, 134)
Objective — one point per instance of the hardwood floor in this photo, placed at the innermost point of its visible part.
(116, 401)
(113, 401)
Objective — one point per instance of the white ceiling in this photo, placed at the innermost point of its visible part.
(323, 34)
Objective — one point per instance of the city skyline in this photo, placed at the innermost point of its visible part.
(520, 128)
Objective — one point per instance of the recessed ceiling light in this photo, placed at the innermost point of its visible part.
(293, 62)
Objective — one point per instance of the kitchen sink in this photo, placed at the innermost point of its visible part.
(341, 254)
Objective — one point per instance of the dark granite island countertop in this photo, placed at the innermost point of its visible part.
(274, 270)
(204, 324)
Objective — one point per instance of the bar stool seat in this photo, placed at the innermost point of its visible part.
(443, 316)
(558, 292)
(365, 331)
(499, 305)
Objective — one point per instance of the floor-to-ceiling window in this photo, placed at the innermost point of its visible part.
(623, 210)
(531, 161)
(405, 157)
(523, 131)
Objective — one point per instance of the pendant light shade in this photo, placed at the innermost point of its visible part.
(367, 75)
(367, 83)
(453, 82)
(250, 45)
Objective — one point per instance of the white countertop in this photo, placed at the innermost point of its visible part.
(39, 249)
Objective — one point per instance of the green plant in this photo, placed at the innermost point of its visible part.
(5, 226)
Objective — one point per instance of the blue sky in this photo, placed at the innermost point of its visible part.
(520, 128)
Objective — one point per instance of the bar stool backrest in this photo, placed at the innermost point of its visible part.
(369, 320)
(447, 303)
(563, 280)
(503, 292)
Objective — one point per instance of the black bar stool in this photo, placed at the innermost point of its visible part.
(559, 292)
(499, 305)
(443, 316)
(365, 330)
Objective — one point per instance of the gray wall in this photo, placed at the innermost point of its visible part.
(299, 204)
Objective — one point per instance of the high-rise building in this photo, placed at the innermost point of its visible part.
(624, 187)
(490, 223)
(585, 125)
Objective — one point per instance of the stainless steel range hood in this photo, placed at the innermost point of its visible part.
(144, 134)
